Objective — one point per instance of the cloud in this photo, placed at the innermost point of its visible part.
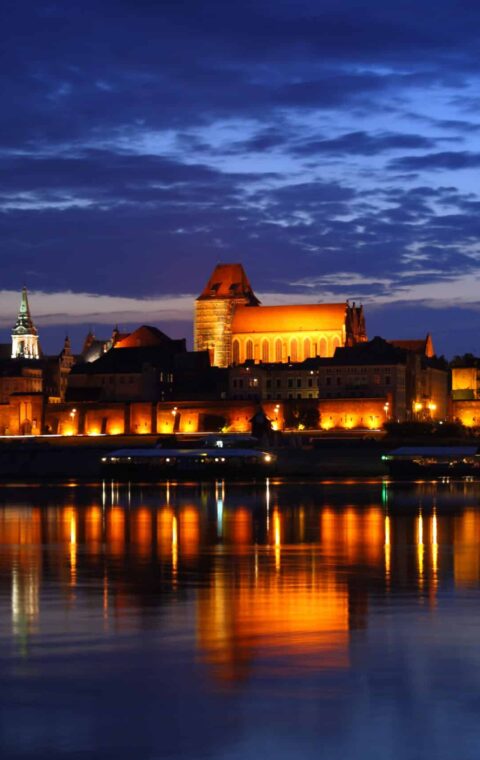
(363, 143)
(144, 142)
(65, 308)
(446, 160)
(108, 177)
(399, 307)
(72, 80)
(69, 308)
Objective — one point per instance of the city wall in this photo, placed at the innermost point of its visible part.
(192, 417)
(29, 415)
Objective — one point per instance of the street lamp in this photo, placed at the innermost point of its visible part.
(417, 408)
(72, 418)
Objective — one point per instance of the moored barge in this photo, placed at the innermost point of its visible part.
(433, 461)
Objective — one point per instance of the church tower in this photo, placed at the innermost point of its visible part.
(24, 334)
(227, 288)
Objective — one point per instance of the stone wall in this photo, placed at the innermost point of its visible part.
(467, 412)
(28, 415)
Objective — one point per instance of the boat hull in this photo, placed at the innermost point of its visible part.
(185, 464)
(419, 471)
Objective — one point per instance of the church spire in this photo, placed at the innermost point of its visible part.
(24, 334)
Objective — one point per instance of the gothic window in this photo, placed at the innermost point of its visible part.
(306, 348)
(294, 350)
(323, 347)
(236, 351)
(335, 343)
(249, 349)
(278, 350)
(265, 351)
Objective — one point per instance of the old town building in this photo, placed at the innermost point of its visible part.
(30, 379)
(227, 288)
(466, 390)
(406, 374)
(308, 365)
(404, 384)
(231, 323)
(139, 367)
(56, 371)
(19, 376)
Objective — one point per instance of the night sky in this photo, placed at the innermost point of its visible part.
(332, 147)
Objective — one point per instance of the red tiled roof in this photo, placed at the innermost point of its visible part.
(228, 281)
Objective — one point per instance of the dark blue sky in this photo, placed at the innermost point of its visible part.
(333, 148)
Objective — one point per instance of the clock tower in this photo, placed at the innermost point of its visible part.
(24, 334)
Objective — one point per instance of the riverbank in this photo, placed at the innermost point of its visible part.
(80, 457)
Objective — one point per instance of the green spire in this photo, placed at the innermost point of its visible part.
(24, 324)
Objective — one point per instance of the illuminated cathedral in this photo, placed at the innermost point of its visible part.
(234, 327)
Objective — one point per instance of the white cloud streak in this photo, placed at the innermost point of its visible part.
(67, 308)
(78, 308)
(460, 292)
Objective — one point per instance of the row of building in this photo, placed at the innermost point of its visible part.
(309, 366)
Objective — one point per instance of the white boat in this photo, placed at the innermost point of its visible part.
(215, 457)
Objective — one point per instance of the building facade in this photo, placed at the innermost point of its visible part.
(287, 334)
(231, 323)
(466, 391)
(227, 288)
(405, 384)
(139, 367)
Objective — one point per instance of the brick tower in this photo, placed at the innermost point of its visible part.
(227, 288)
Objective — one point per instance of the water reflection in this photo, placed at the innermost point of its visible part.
(268, 574)
(274, 582)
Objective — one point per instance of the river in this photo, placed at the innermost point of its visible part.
(335, 620)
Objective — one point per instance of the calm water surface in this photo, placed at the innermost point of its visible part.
(334, 620)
